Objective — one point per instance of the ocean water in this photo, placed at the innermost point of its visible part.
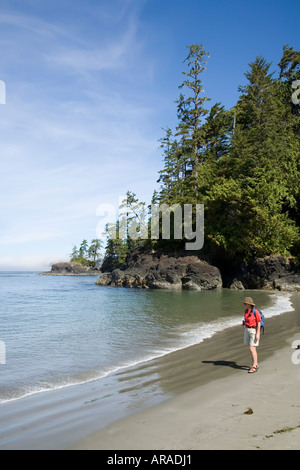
(63, 331)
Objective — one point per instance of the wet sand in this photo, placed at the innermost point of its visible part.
(218, 404)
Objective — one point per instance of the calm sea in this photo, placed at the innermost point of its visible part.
(60, 331)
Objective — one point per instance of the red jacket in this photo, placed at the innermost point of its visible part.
(251, 320)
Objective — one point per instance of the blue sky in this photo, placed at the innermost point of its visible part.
(89, 86)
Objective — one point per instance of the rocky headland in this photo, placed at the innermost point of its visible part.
(71, 269)
(162, 271)
(157, 270)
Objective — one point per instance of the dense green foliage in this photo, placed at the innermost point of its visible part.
(88, 255)
(243, 164)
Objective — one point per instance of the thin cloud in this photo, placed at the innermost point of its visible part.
(16, 239)
(109, 55)
(33, 24)
(76, 130)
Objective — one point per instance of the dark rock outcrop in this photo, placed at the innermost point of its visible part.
(271, 272)
(157, 270)
(161, 271)
(71, 269)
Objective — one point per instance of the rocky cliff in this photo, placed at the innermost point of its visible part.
(156, 270)
(271, 272)
(161, 271)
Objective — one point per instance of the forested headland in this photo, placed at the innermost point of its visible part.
(241, 163)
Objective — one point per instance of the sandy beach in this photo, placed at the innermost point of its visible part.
(218, 404)
(201, 397)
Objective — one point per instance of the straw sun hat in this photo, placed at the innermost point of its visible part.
(249, 301)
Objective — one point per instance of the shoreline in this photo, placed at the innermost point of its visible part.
(159, 356)
(67, 274)
(225, 414)
(223, 407)
(70, 417)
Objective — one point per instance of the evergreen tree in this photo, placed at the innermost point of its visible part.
(243, 164)
(75, 253)
(190, 112)
(217, 132)
(261, 174)
(83, 250)
(134, 221)
(174, 171)
(289, 84)
(94, 250)
(289, 64)
(116, 249)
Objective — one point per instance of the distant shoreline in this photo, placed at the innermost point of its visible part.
(71, 269)
(69, 274)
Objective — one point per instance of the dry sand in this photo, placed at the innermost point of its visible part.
(218, 404)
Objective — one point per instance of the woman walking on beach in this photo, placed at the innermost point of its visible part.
(252, 320)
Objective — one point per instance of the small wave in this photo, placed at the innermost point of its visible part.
(196, 334)
(187, 336)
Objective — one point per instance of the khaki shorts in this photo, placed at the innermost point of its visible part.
(249, 337)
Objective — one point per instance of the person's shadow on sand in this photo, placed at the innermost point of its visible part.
(232, 364)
